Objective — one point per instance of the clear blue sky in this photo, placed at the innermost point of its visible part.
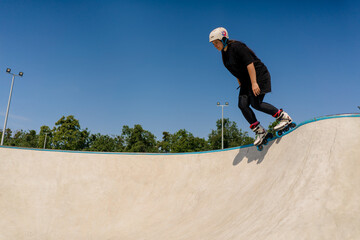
(115, 63)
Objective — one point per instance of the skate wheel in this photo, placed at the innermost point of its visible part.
(293, 125)
(279, 133)
(259, 148)
(286, 129)
(265, 142)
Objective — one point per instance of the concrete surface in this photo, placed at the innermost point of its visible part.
(305, 185)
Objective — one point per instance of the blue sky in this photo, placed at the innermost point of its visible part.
(115, 63)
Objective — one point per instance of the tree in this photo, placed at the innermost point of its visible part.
(233, 136)
(45, 134)
(30, 139)
(24, 139)
(105, 143)
(67, 134)
(165, 145)
(271, 127)
(17, 139)
(138, 140)
(200, 144)
(183, 141)
(7, 136)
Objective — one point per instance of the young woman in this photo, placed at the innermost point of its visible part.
(253, 78)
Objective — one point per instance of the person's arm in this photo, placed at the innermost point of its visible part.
(252, 74)
(239, 82)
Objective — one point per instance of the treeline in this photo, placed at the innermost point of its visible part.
(68, 135)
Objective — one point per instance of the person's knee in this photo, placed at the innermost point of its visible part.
(256, 102)
(243, 102)
(255, 105)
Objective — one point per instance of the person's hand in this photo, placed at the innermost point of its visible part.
(256, 89)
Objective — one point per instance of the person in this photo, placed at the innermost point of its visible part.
(254, 80)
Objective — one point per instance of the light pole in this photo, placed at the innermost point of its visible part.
(45, 140)
(8, 70)
(222, 122)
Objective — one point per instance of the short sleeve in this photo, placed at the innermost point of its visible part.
(244, 55)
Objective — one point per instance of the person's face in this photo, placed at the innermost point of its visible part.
(218, 44)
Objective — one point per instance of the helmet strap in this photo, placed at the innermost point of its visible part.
(224, 42)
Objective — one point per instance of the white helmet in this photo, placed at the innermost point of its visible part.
(218, 34)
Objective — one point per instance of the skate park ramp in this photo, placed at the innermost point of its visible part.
(305, 185)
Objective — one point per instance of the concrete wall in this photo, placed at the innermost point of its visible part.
(305, 185)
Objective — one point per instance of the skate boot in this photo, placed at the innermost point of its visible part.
(261, 135)
(285, 123)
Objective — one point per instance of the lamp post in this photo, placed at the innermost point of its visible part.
(45, 140)
(222, 122)
(8, 70)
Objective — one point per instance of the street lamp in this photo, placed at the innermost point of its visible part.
(222, 122)
(45, 139)
(8, 70)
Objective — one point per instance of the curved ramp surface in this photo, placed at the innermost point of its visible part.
(304, 185)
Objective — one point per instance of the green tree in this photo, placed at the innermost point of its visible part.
(138, 140)
(181, 141)
(30, 139)
(200, 144)
(105, 143)
(17, 139)
(271, 127)
(165, 145)
(233, 136)
(7, 136)
(67, 134)
(119, 143)
(45, 134)
(184, 141)
(24, 139)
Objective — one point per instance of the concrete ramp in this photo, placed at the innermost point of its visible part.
(305, 185)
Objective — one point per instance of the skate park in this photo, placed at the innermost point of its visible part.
(96, 72)
(304, 185)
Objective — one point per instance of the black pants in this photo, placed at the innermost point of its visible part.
(258, 104)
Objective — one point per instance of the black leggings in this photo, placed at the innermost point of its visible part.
(258, 104)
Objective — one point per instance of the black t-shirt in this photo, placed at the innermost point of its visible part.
(236, 59)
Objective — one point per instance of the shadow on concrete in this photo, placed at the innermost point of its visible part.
(252, 154)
